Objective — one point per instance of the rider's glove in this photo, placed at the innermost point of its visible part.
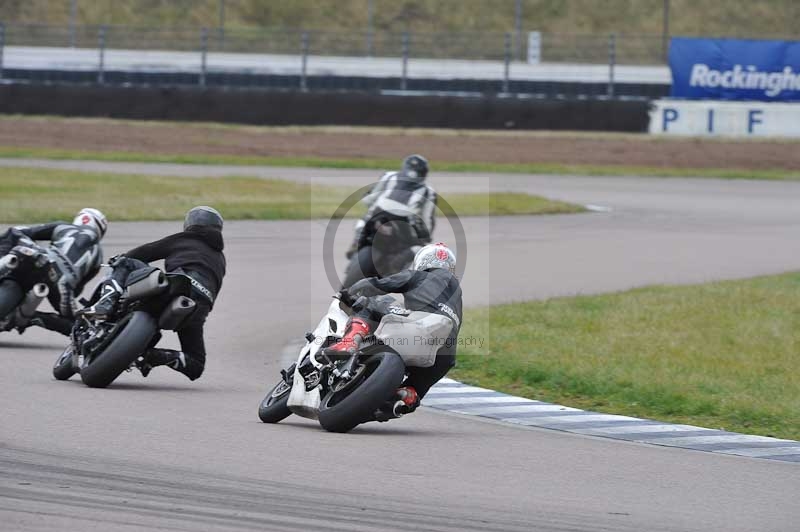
(364, 287)
(113, 261)
(344, 296)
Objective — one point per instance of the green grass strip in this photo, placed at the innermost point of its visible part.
(33, 195)
(722, 355)
(377, 164)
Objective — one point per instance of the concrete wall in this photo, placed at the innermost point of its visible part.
(317, 108)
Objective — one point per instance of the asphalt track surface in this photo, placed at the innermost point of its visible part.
(164, 453)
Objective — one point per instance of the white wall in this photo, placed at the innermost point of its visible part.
(716, 118)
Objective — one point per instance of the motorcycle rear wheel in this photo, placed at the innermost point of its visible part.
(128, 343)
(341, 410)
(10, 296)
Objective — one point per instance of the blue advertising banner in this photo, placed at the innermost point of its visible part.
(735, 69)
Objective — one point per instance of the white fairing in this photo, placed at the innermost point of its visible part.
(416, 337)
(306, 403)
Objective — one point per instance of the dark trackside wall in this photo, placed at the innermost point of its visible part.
(249, 106)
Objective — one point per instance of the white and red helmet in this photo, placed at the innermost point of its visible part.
(92, 218)
(435, 256)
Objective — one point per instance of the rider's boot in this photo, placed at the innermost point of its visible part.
(161, 357)
(52, 322)
(110, 294)
(357, 330)
(7, 322)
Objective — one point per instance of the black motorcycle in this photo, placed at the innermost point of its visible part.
(23, 272)
(387, 245)
(102, 348)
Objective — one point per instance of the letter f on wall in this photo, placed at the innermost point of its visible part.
(669, 115)
(753, 118)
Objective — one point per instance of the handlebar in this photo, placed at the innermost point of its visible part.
(355, 303)
(344, 296)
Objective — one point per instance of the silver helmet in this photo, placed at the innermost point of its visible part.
(203, 216)
(415, 168)
(435, 256)
(92, 218)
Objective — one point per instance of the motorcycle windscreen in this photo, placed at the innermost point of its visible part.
(416, 337)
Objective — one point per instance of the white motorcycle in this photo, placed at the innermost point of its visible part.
(344, 392)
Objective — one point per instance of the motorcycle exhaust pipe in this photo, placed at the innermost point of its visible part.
(10, 262)
(32, 300)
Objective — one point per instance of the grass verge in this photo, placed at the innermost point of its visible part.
(378, 164)
(34, 195)
(721, 355)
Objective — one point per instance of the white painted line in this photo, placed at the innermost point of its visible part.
(762, 451)
(553, 420)
(520, 409)
(598, 208)
(474, 400)
(642, 428)
(722, 438)
(465, 389)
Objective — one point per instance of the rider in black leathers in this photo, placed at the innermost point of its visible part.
(196, 252)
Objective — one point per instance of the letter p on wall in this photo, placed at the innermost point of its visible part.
(669, 115)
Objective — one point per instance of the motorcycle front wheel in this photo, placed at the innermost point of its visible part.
(273, 408)
(64, 368)
(350, 403)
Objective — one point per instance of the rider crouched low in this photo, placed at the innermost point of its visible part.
(429, 286)
(196, 252)
(75, 256)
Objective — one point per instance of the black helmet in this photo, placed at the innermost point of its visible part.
(203, 216)
(415, 168)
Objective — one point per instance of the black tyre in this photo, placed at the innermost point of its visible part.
(343, 408)
(10, 296)
(353, 273)
(128, 343)
(273, 408)
(64, 367)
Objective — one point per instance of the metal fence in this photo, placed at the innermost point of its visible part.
(211, 55)
(632, 49)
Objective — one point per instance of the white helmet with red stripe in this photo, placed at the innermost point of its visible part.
(94, 219)
(435, 256)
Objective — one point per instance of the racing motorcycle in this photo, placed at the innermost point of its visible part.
(352, 388)
(387, 245)
(101, 349)
(22, 288)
